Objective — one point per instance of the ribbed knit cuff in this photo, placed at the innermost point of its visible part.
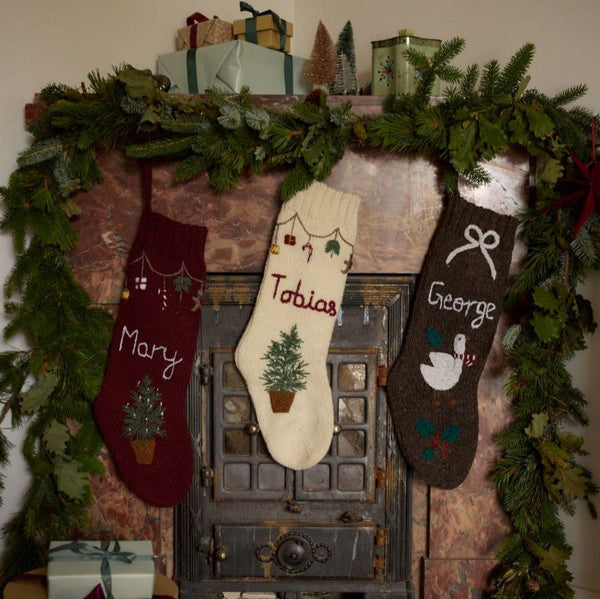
(322, 209)
(169, 243)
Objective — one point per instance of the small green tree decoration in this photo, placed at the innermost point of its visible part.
(285, 372)
(346, 81)
(144, 420)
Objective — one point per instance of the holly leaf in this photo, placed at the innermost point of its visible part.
(333, 247)
(425, 428)
(462, 140)
(545, 327)
(553, 559)
(538, 425)
(56, 437)
(554, 454)
(451, 433)
(37, 395)
(433, 336)
(551, 172)
(546, 299)
(182, 284)
(539, 122)
(572, 482)
(139, 84)
(572, 443)
(70, 480)
(519, 131)
(493, 137)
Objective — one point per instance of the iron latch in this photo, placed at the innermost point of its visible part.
(205, 374)
(206, 477)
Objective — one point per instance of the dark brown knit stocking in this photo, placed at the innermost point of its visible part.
(433, 384)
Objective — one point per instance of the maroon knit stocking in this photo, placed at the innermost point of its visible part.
(141, 408)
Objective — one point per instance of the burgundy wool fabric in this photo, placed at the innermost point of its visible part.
(154, 343)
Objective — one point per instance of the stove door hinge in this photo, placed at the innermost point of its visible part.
(206, 373)
(379, 555)
(383, 371)
(380, 477)
(207, 476)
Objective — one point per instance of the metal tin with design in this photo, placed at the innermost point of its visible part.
(392, 73)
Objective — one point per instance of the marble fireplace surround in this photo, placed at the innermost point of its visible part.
(454, 533)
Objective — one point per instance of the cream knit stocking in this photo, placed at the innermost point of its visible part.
(282, 354)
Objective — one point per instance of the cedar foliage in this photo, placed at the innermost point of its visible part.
(484, 112)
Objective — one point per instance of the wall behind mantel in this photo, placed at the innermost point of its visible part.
(61, 41)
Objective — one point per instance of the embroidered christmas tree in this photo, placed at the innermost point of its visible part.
(285, 372)
(144, 420)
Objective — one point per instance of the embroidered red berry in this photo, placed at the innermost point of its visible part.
(289, 240)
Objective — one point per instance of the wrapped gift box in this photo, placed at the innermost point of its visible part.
(264, 28)
(392, 72)
(201, 31)
(230, 66)
(76, 568)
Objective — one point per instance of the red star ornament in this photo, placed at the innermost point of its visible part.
(589, 186)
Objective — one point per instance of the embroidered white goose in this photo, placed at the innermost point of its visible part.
(447, 368)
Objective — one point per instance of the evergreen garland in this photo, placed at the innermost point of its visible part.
(484, 112)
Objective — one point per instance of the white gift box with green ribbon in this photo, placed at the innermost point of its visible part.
(124, 568)
(232, 65)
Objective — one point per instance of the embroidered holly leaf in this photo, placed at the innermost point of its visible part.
(70, 480)
(451, 433)
(538, 426)
(434, 338)
(333, 247)
(545, 327)
(182, 284)
(56, 437)
(425, 428)
(428, 454)
(37, 395)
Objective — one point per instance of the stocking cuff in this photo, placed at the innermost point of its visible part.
(461, 211)
(169, 243)
(323, 209)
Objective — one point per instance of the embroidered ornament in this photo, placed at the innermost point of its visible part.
(348, 264)
(141, 283)
(274, 249)
(332, 247)
(478, 242)
(289, 240)
(309, 247)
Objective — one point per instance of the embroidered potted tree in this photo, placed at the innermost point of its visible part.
(144, 420)
(285, 372)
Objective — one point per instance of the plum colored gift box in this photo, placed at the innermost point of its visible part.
(230, 66)
(201, 31)
(392, 73)
(264, 28)
(124, 568)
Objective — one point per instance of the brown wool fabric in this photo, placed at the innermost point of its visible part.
(433, 385)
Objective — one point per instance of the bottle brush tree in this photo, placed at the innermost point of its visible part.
(320, 68)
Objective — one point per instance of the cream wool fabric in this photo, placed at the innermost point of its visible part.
(302, 286)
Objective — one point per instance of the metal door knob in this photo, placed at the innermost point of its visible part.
(221, 554)
(252, 428)
(294, 553)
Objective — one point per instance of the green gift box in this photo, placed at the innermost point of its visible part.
(125, 569)
(230, 66)
(392, 73)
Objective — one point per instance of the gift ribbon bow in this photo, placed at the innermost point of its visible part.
(251, 24)
(85, 551)
(478, 239)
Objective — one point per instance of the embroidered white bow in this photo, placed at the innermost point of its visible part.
(478, 239)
